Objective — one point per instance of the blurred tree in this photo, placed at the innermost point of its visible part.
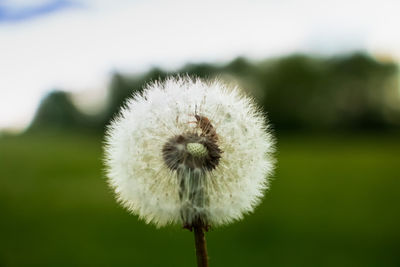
(294, 92)
(357, 88)
(58, 112)
(202, 70)
(318, 93)
(240, 66)
(124, 86)
(120, 88)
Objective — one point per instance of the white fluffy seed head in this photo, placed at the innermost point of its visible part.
(168, 166)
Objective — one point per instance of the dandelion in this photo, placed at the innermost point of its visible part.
(190, 152)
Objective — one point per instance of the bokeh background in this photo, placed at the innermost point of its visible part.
(325, 72)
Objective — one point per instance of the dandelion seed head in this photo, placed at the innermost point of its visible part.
(186, 150)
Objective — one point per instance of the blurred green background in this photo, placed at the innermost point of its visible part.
(334, 198)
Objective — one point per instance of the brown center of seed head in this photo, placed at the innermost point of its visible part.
(175, 152)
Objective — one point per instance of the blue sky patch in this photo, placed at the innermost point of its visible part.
(10, 13)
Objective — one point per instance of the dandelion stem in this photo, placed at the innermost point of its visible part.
(201, 248)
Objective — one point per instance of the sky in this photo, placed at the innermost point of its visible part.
(76, 45)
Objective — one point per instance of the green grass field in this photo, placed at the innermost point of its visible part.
(334, 201)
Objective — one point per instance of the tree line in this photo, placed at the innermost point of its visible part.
(298, 92)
